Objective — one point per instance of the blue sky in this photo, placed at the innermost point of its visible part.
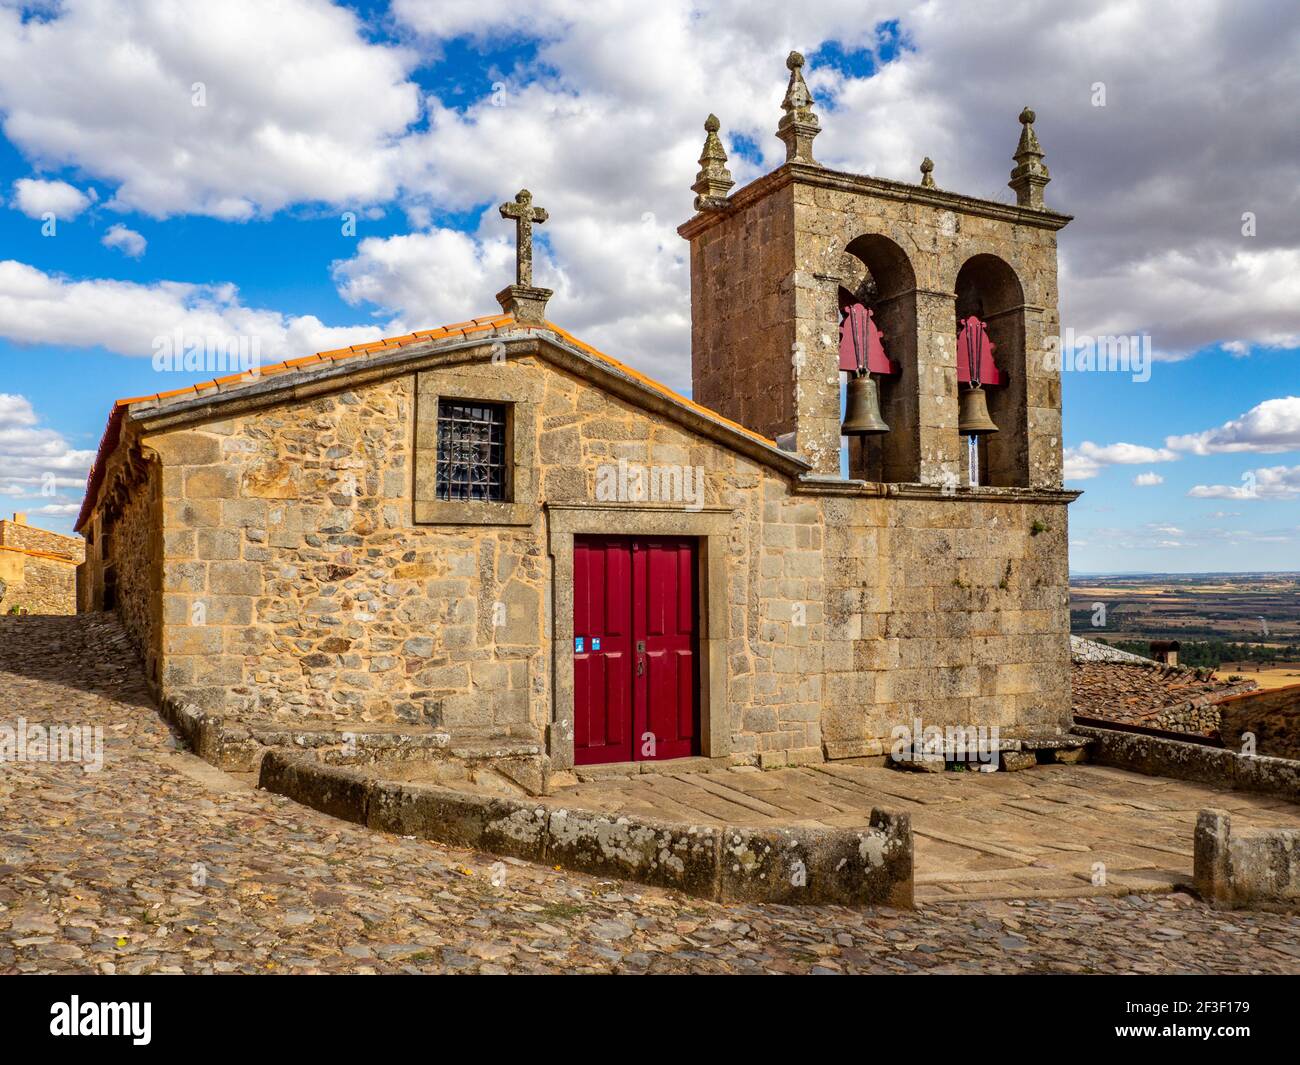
(418, 119)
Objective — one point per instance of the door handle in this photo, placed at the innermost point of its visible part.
(640, 665)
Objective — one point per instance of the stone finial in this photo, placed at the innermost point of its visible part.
(798, 126)
(526, 303)
(713, 182)
(1029, 175)
(927, 173)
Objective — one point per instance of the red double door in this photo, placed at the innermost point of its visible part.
(635, 660)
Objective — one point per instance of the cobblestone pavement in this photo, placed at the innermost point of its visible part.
(160, 863)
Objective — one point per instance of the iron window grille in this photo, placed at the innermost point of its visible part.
(471, 451)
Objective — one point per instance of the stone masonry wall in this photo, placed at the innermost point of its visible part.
(135, 550)
(14, 534)
(950, 612)
(289, 533)
(1272, 716)
(297, 588)
(35, 584)
(741, 306)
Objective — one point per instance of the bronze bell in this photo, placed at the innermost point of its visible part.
(862, 415)
(973, 413)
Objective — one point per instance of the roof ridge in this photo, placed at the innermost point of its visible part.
(473, 325)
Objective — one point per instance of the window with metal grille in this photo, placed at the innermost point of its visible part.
(471, 450)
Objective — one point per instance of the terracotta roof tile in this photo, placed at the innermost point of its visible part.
(306, 360)
(1136, 694)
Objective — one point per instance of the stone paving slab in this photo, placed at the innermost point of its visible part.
(99, 872)
(1052, 831)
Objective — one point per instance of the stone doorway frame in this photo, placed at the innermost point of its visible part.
(711, 527)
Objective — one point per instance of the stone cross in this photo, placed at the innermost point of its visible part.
(524, 214)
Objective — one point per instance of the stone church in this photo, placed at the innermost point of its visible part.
(493, 533)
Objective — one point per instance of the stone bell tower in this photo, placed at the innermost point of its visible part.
(773, 264)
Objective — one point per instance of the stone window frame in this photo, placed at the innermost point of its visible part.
(522, 474)
(711, 527)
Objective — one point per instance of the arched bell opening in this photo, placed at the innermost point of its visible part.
(991, 307)
(876, 276)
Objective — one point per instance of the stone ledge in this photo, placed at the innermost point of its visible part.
(825, 484)
(883, 188)
(1255, 868)
(240, 748)
(871, 865)
(1184, 760)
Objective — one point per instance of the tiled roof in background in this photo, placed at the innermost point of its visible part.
(1132, 693)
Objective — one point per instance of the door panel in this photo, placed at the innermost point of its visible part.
(602, 669)
(663, 616)
(635, 667)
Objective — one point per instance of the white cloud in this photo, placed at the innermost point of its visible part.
(444, 275)
(454, 18)
(610, 138)
(127, 240)
(298, 105)
(601, 141)
(36, 461)
(59, 509)
(1088, 459)
(304, 106)
(439, 276)
(36, 198)
(1116, 541)
(1148, 480)
(128, 318)
(1189, 299)
(1268, 482)
(1271, 426)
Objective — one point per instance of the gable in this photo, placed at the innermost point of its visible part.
(477, 340)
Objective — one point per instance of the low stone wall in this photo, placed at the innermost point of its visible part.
(1198, 717)
(1184, 760)
(1272, 716)
(1257, 868)
(1082, 650)
(851, 866)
